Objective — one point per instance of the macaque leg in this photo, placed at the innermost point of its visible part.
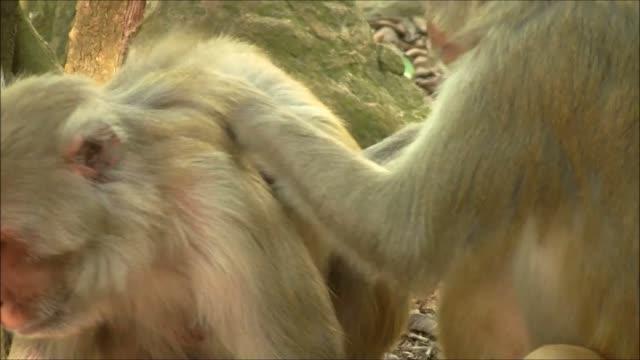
(297, 324)
(371, 310)
(479, 314)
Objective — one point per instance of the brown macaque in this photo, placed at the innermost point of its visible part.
(519, 194)
(133, 227)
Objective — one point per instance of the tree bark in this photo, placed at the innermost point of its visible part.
(100, 36)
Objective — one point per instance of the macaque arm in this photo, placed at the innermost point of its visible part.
(289, 147)
(399, 217)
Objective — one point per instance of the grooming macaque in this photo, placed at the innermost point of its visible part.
(133, 227)
(448, 18)
(520, 193)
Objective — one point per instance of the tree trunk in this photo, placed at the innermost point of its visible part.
(100, 36)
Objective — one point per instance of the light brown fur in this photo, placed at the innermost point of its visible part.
(520, 194)
(166, 242)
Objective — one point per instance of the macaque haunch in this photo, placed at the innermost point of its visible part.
(133, 227)
(520, 193)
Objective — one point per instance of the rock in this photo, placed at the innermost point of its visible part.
(416, 51)
(394, 24)
(386, 35)
(422, 323)
(417, 337)
(425, 61)
(428, 84)
(424, 72)
(421, 24)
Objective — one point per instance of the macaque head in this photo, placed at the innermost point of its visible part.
(61, 251)
(450, 25)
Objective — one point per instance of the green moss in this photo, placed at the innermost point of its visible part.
(32, 54)
(325, 44)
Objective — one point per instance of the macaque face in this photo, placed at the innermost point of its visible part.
(52, 213)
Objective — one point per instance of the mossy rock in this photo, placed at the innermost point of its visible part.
(326, 45)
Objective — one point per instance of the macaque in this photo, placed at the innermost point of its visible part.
(519, 194)
(392, 146)
(134, 227)
(450, 19)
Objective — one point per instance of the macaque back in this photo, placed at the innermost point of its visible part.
(132, 225)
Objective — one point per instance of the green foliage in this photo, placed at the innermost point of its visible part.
(23, 49)
(52, 20)
(8, 28)
(32, 54)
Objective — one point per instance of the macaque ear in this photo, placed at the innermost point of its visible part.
(93, 154)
